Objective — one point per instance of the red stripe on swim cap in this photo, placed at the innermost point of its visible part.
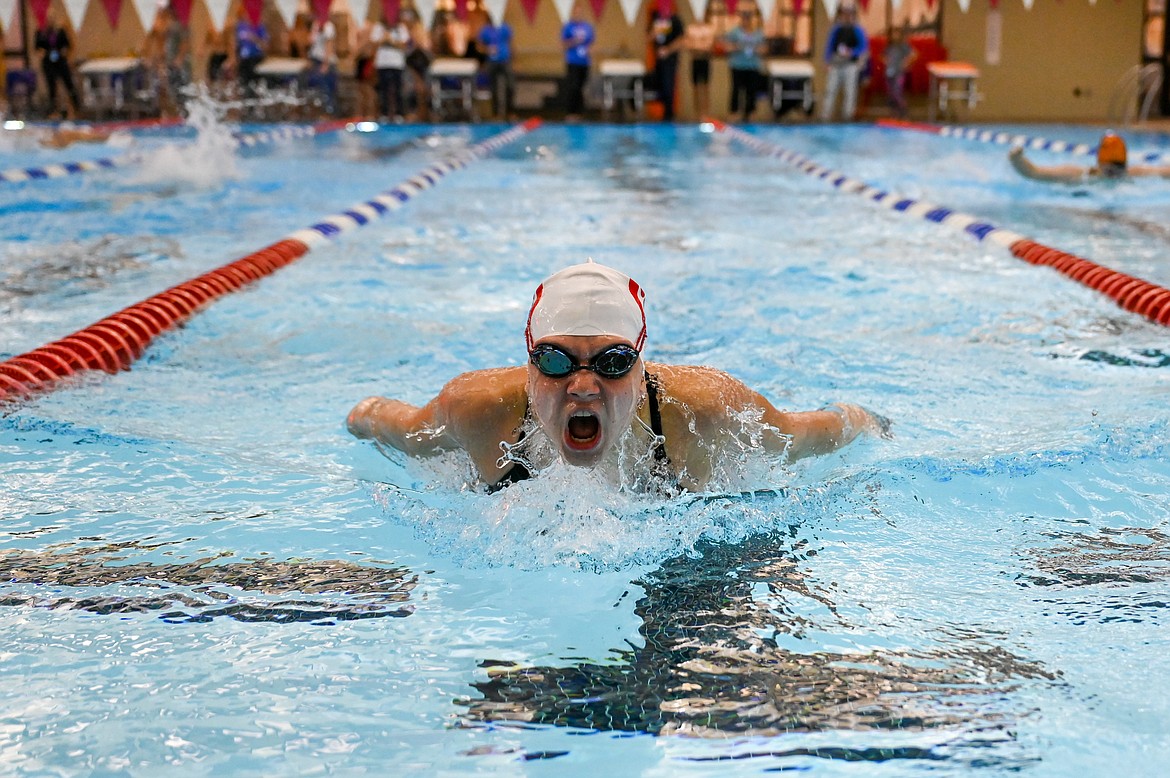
(640, 298)
(528, 326)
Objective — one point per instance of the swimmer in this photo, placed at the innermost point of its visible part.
(1111, 165)
(587, 395)
(67, 136)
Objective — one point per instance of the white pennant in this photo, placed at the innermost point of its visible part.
(495, 9)
(964, 5)
(359, 9)
(426, 12)
(146, 12)
(218, 10)
(8, 14)
(564, 8)
(831, 8)
(1028, 4)
(630, 9)
(287, 10)
(765, 7)
(699, 7)
(75, 10)
(896, 4)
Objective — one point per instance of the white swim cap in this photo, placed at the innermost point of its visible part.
(588, 299)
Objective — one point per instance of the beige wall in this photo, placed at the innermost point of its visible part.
(1060, 61)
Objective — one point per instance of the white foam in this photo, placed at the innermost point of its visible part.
(204, 163)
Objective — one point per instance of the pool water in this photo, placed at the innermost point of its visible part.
(205, 575)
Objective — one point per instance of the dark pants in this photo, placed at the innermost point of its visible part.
(55, 71)
(390, 92)
(575, 80)
(502, 80)
(248, 75)
(747, 83)
(666, 73)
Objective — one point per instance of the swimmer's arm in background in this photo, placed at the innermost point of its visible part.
(1063, 174)
(1154, 171)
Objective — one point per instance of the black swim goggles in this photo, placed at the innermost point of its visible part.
(613, 362)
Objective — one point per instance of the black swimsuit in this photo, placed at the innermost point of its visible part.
(518, 472)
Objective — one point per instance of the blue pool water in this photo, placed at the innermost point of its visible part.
(203, 574)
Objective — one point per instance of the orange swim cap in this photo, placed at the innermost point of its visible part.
(1111, 151)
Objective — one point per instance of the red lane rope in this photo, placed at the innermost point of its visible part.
(116, 341)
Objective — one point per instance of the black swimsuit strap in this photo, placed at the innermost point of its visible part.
(656, 418)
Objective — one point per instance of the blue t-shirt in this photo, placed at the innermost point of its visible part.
(500, 37)
(249, 38)
(581, 34)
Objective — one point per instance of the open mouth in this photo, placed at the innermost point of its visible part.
(583, 431)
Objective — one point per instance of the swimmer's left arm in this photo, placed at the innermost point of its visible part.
(809, 433)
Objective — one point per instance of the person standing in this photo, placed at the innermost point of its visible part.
(845, 51)
(745, 45)
(54, 42)
(666, 35)
(700, 42)
(170, 45)
(251, 46)
(495, 42)
(323, 61)
(577, 38)
(391, 40)
(898, 58)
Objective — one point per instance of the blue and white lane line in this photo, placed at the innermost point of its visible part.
(60, 170)
(1018, 139)
(392, 199)
(971, 225)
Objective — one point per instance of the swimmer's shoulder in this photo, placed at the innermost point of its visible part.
(699, 389)
(486, 397)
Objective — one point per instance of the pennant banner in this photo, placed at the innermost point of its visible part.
(530, 9)
(287, 10)
(831, 8)
(564, 8)
(182, 9)
(218, 9)
(630, 9)
(598, 7)
(8, 14)
(426, 12)
(146, 11)
(699, 8)
(40, 9)
(113, 12)
(390, 9)
(766, 7)
(964, 5)
(360, 9)
(321, 10)
(75, 10)
(253, 8)
(495, 9)
(461, 10)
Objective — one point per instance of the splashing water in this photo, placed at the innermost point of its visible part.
(204, 163)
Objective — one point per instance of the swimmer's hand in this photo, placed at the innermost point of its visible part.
(880, 425)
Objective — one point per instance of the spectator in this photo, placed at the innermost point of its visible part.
(169, 46)
(899, 56)
(495, 43)
(577, 38)
(54, 42)
(700, 40)
(666, 35)
(251, 46)
(745, 44)
(418, 61)
(364, 70)
(845, 53)
(391, 41)
(323, 62)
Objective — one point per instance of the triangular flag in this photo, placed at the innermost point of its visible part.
(461, 10)
(831, 8)
(390, 10)
(360, 10)
(898, 4)
(564, 8)
(40, 9)
(766, 7)
(798, 6)
(1028, 4)
(598, 7)
(146, 11)
(113, 11)
(426, 12)
(630, 10)
(75, 10)
(218, 9)
(864, 5)
(965, 4)
(321, 9)
(495, 9)
(287, 10)
(699, 8)
(252, 9)
(7, 12)
(182, 9)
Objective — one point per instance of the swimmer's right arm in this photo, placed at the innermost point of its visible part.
(1064, 174)
(414, 431)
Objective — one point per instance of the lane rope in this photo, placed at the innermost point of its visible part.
(1131, 293)
(113, 343)
(1012, 139)
(243, 140)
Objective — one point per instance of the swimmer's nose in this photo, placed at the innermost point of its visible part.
(584, 384)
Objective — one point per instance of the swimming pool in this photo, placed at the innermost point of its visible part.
(204, 574)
